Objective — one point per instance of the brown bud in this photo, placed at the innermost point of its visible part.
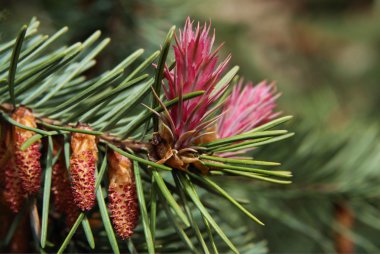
(27, 161)
(209, 136)
(163, 150)
(123, 204)
(82, 168)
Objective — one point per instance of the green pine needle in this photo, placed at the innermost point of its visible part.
(239, 161)
(106, 220)
(169, 197)
(30, 141)
(88, 232)
(225, 80)
(102, 170)
(46, 195)
(272, 124)
(179, 228)
(66, 151)
(13, 122)
(143, 210)
(254, 176)
(71, 233)
(213, 185)
(197, 202)
(69, 129)
(14, 62)
(193, 223)
(251, 170)
(138, 159)
(160, 71)
(153, 208)
(252, 144)
(245, 136)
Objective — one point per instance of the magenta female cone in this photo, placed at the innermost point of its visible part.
(82, 168)
(197, 68)
(123, 204)
(247, 107)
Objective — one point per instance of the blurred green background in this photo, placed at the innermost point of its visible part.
(324, 56)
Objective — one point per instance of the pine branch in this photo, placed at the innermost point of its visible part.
(62, 110)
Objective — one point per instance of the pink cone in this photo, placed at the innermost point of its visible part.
(247, 107)
(196, 69)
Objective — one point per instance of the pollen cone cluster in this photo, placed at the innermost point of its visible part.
(122, 195)
(14, 195)
(82, 168)
(63, 197)
(27, 161)
(11, 193)
(20, 169)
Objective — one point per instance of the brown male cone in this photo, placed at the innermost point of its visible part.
(82, 168)
(123, 204)
(62, 195)
(12, 193)
(27, 161)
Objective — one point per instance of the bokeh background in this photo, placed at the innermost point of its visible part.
(325, 58)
